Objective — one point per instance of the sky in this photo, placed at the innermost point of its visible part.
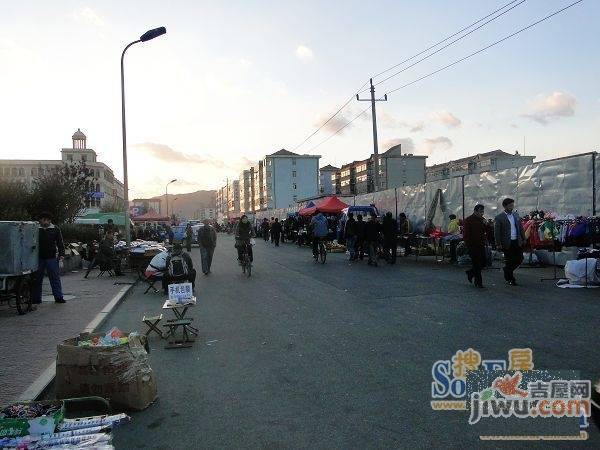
(234, 80)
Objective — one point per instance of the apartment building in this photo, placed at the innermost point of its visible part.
(327, 180)
(287, 177)
(395, 170)
(481, 162)
(103, 188)
(246, 191)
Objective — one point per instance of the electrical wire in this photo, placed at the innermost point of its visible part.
(487, 47)
(330, 118)
(444, 40)
(341, 128)
(447, 45)
(358, 91)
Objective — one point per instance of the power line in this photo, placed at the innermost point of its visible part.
(444, 40)
(341, 128)
(393, 67)
(487, 47)
(448, 45)
(330, 117)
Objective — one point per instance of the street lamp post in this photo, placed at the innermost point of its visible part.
(167, 195)
(173, 211)
(150, 34)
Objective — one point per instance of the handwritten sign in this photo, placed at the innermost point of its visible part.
(180, 292)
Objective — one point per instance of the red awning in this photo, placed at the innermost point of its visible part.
(329, 205)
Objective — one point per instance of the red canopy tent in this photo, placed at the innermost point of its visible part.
(329, 205)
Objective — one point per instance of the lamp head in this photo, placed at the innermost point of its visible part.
(151, 34)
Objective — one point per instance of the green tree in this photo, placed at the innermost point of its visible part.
(112, 207)
(61, 191)
(14, 201)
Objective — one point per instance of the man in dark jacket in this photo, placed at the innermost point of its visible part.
(360, 237)
(372, 232)
(475, 239)
(106, 257)
(188, 273)
(276, 232)
(51, 244)
(264, 229)
(243, 234)
(389, 228)
(350, 235)
(509, 236)
(207, 239)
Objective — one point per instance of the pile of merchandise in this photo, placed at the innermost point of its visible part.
(112, 338)
(19, 428)
(141, 247)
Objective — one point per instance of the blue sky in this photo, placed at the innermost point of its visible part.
(234, 80)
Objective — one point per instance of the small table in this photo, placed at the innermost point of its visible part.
(179, 311)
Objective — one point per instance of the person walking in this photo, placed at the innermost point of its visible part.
(189, 233)
(475, 240)
(389, 228)
(404, 229)
(50, 245)
(372, 233)
(207, 240)
(350, 236)
(264, 229)
(360, 237)
(276, 232)
(509, 236)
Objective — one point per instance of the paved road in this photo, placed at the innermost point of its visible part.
(339, 356)
(29, 342)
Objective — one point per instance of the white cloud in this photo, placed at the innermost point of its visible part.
(445, 118)
(390, 121)
(304, 54)
(545, 108)
(340, 120)
(431, 145)
(89, 16)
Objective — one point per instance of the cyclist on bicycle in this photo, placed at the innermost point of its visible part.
(243, 233)
(320, 231)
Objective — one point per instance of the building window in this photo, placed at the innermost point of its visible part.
(293, 161)
(294, 173)
(294, 186)
(14, 171)
(21, 172)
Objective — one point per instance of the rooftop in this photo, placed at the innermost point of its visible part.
(479, 156)
(329, 167)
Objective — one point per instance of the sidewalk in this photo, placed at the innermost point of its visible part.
(29, 342)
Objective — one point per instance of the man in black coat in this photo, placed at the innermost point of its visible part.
(389, 228)
(51, 245)
(372, 232)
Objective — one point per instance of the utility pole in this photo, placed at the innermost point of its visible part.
(374, 120)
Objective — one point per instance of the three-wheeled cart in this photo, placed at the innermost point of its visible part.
(18, 263)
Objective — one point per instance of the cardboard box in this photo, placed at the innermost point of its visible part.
(120, 374)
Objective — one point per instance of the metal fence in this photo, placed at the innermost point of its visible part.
(564, 186)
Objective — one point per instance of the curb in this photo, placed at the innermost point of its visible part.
(37, 388)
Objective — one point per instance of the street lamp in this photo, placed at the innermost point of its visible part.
(150, 34)
(167, 196)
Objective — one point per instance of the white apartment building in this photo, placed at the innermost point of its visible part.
(327, 180)
(103, 187)
(246, 191)
(287, 177)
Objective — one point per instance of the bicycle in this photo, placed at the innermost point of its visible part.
(321, 252)
(246, 261)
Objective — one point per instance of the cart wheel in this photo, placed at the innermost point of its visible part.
(23, 296)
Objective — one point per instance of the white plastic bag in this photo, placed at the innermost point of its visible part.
(575, 271)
